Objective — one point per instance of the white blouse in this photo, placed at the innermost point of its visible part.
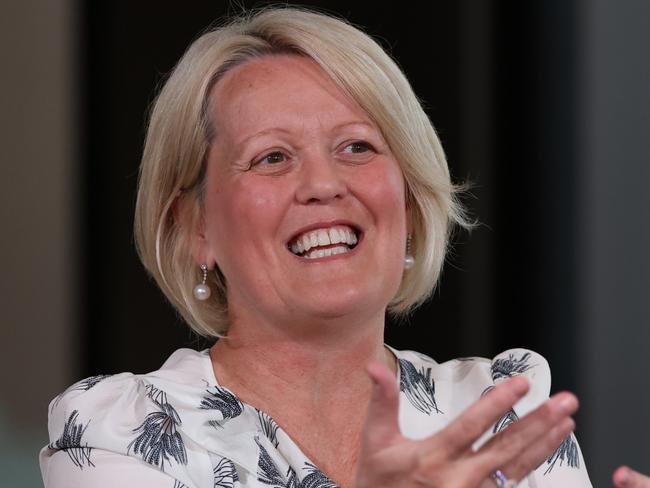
(176, 427)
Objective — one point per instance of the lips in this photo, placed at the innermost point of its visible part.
(324, 241)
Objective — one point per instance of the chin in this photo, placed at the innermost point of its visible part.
(351, 304)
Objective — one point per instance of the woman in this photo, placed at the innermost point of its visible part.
(292, 190)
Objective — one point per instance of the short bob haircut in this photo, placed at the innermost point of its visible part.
(179, 136)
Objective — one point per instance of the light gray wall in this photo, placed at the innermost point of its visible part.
(38, 171)
(615, 233)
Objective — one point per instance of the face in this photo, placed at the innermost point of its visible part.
(304, 204)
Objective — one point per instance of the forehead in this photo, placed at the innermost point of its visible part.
(280, 89)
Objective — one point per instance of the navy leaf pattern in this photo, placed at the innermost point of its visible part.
(268, 427)
(70, 441)
(509, 417)
(224, 401)
(225, 474)
(83, 385)
(418, 386)
(88, 383)
(158, 437)
(568, 451)
(506, 419)
(506, 367)
(316, 478)
(269, 474)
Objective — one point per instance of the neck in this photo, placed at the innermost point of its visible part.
(325, 359)
(311, 379)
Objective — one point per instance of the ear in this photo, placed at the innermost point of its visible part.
(188, 217)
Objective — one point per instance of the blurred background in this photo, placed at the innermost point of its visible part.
(543, 105)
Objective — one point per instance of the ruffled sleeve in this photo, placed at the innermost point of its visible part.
(522, 362)
(122, 421)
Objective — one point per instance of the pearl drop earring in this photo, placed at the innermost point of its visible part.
(409, 260)
(202, 291)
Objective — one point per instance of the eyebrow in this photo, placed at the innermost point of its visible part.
(274, 130)
(262, 133)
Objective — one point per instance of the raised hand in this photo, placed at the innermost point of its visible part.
(625, 477)
(447, 459)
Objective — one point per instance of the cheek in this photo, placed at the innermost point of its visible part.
(240, 212)
(251, 197)
(384, 187)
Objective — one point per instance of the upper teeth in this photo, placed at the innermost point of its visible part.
(323, 237)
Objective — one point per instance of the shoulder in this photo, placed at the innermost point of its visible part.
(509, 363)
(463, 380)
(124, 394)
(134, 415)
(184, 366)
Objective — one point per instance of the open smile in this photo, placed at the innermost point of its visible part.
(324, 241)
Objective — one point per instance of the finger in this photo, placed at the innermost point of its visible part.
(461, 433)
(625, 477)
(381, 427)
(534, 455)
(526, 443)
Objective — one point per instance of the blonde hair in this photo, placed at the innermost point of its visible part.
(179, 133)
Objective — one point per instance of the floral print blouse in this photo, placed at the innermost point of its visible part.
(176, 427)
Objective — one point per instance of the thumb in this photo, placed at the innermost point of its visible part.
(381, 427)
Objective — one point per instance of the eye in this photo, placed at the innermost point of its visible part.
(358, 147)
(270, 159)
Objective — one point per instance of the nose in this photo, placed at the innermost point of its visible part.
(321, 180)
